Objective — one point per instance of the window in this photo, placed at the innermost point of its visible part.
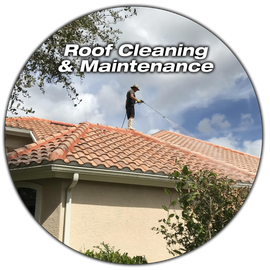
(31, 193)
(29, 196)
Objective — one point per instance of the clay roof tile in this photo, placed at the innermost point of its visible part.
(111, 147)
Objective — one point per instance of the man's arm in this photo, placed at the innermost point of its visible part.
(132, 97)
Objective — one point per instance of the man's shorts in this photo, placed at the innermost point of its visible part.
(130, 112)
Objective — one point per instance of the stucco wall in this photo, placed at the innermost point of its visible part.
(121, 215)
(53, 206)
(13, 142)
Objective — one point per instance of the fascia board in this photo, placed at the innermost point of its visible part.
(90, 174)
(94, 174)
(17, 131)
(31, 173)
(22, 132)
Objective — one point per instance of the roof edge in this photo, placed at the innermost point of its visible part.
(90, 174)
(96, 174)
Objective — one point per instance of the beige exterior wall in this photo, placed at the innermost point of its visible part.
(14, 142)
(120, 215)
(53, 206)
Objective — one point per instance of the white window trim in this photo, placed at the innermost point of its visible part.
(38, 189)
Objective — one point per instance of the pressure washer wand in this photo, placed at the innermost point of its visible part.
(153, 109)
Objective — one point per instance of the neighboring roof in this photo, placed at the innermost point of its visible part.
(238, 160)
(99, 146)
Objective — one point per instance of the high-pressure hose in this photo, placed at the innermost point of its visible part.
(124, 120)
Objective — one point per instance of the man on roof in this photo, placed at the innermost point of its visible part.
(131, 99)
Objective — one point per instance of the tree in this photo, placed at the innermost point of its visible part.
(207, 204)
(42, 67)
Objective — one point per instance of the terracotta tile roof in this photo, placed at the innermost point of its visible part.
(229, 156)
(95, 145)
(40, 127)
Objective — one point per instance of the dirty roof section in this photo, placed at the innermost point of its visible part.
(229, 156)
(41, 128)
(94, 145)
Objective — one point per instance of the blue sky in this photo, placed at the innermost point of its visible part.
(220, 107)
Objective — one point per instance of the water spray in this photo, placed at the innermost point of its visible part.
(171, 122)
(180, 129)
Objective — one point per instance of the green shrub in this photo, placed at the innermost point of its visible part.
(107, 254)
(207, 204)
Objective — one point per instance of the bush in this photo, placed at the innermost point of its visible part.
(107, 254)
(207, 204)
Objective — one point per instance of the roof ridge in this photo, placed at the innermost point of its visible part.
(205, 142)
(67, 145)
(108, 128)
(131, 131)
(61, 123)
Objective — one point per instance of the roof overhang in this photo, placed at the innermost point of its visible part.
(22, 132)
(50, 171)
(60, 171)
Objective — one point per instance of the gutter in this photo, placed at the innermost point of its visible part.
(95, 174)
(90, 174)
(68, 208)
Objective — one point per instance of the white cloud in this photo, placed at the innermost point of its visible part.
(152, 131)
(233, 142)
(246, 122)
(228, 141)
(217, 121)
(254, 148)
(60, 108)
(175, 130)
(111, 101)
(88, 110)
(205, 126)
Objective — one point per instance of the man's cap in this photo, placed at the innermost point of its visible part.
(135, 86)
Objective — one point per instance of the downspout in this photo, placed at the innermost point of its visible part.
(68, 208)
(32, 136)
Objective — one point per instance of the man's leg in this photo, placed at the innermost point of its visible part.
(130, 121)
(130, 115)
